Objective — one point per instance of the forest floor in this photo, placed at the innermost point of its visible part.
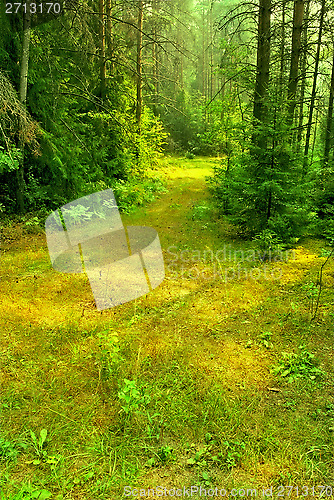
(177, 388)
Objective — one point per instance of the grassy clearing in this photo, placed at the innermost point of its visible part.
(179, 387)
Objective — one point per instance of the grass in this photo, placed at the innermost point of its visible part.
(179, 387)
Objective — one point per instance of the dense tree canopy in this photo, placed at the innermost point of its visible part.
(95, 93)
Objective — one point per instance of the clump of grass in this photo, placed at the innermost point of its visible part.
(298, 365)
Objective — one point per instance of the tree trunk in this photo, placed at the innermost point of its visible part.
(109, 34)
(282, 50)
(102, 51)
(303, 78)
(139, 66)
(155, 58)
(314, 88)
(329, 122)
(211, 49)
(295, 53)
(24, 66)
(262, 70)
(203, 53)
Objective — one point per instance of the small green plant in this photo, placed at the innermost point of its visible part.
(265, 340)
(32, 225)
(200, 212)
(205, 479)
(200, 458)
(234, 452)
(10, 450)
(153, 427)
(29, 492)
(294, 366)
(132, 397)
(166, 454)
(109, 356)
(209, 456)
(268, 243)
(38, 445)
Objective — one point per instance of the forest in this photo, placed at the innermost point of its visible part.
(212, 123)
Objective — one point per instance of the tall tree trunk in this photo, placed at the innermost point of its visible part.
(295, 53)
(154, 61)
(262, 69)
(155, 57)
(314, 88)
(282, 50)
(211, 49)
(203, 53)
(139, 65)
(109, 33)
(24, 66)
(329, 122)
(102, 51)
(303, 78)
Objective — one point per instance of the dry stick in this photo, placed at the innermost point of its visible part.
(320, 284)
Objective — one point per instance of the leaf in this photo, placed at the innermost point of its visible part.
(44, 494)
(43, 435)
(33, 437)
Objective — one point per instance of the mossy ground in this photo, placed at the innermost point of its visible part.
(209, 411)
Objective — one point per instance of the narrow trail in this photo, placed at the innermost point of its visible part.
(198, 334)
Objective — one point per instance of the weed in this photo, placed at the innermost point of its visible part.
(205, 479)
(234, 452)
(153, 427)
(268, 242)
(166, 454)
(136, 192)
(29, 492)
(109, 356)
(208, 456)
(200, 211)
(265, 340)
(38, 445)
(33, 226)
(42, 455)
(10, 450)
(132, 397)
(294, 366)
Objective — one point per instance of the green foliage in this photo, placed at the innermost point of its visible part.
(264, 339)
(136, 192)
(200, 211)
(9, 161)
(132, 397)
(166, 454)
(235, 450)
(9, 450)
(258, 191)
(38, 444)
(29, 492)
(209, 454)
(109, 354)
(268, 243)
(300, 365)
